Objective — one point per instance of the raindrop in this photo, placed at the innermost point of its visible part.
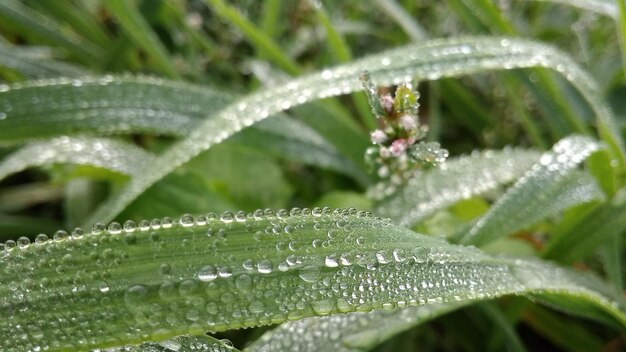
(208, 273)
(309, 274)
(224, 272)
(227, 217)
(60, 235)
(135, 295)
(77, 233)
(165, 269)
(114, 228)
(167, 223)
(186, 220)
(331, 261)
(243, 282)
(23, 242)
(264, 267)
(41, 238)
(129, 226)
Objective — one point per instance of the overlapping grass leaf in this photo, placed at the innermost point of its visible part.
(459, 178)
(429, 60)
(548, 187)
(117, 156)
(161, 279)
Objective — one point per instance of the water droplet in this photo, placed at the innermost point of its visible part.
(60, 235)
(77, 233)
(186, 220)
(265, 267)
(155, 224)
(256, 307)
(129, 226)
(240, 216)
(165, 269)
(41, 238)
(187, 287)
(248, 264)
(135, 295)
(208, 273)
(331, 261)
(309, 274)
(167, 223)
(227, 217)
(243, 282)
(224, 272)
(144, 225)
(23, 242)
(114, 228)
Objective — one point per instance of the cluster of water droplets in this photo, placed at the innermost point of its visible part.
(458, 178)
(547, 187)
(214, 272)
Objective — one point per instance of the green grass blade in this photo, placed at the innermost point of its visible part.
(111, 155)
(622, 33)
(33, 62)
(32, 23)
(409, 25)
(165, 279)
(114, 105)
(257, 38)
(457, 179)
(583, 237)
(181, 344)
(350, 332)
(293, 140)
(138, 29)
(428, 60)
(605, 7)
(102, 105)
(548, 187)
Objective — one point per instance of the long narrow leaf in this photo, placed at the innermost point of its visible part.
(163, 279)
(430, 60)
(31, 62)
(180, 344)
(457, 179)
(547, 188)
(112, 155)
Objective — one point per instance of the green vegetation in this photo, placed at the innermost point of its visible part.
(324, 214)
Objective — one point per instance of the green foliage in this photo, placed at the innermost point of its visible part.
(154, 110)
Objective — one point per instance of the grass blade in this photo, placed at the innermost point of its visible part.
(455, 180)
(547, 188)
(103, 105)
(604, 7)
(429, 60)
(181, 344)
(261, 41)
(166, 278)
(33, 23)
(33, 62)
(350, 332)
(583, 237)
(136, 27)
(112, 155)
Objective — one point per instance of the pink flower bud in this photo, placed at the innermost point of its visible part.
(378, 137)
(398, 147)
(408, 122)
(387, 102)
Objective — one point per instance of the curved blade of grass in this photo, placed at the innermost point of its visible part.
(108, 104)
(456, 179)
(136, 27)
(31, 62)
(547, 188)
(347, 332)
(584, 236)
(32, 23)
(605, 7)
(181, 344)
(129, 104)
(429, 60)
(293, 140)
(112, 155)
(155, 281)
